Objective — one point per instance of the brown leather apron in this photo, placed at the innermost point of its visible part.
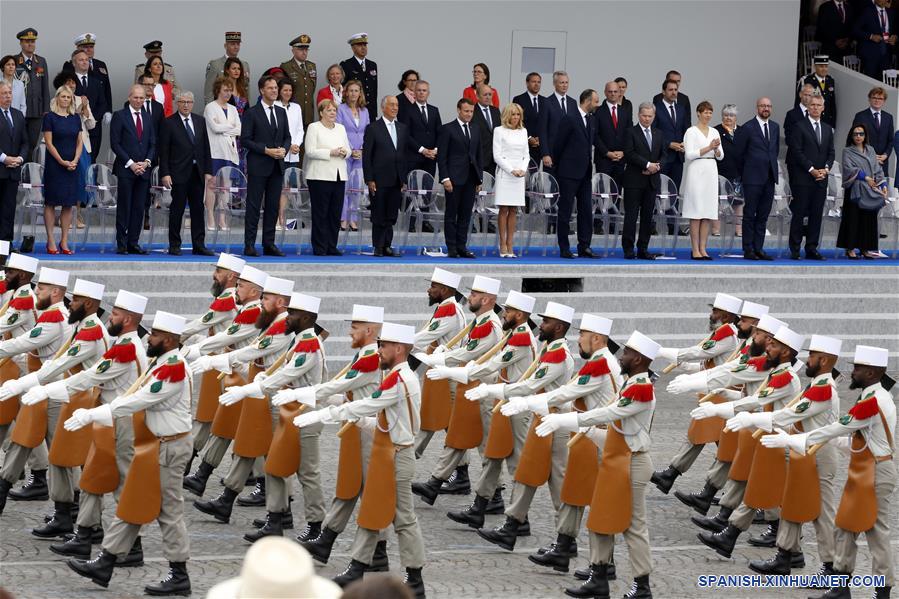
(284, 453)
(500, 440)
(610, 506)
(8, 409)
(436, 404)
(101, 472)
(465, 431)
(767, 476)
(706, 430)
(535, 463)
(141, 498)
(208, 402)
(69, 448)
(727, 446)
(226, 419)
(858, 505)
(742, 463)
(349, 464)
(580, 472)
(254, 431)
(31, 422)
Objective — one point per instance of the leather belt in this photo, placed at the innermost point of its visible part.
(883, 458)
(168, 438)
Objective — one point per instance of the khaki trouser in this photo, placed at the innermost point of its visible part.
(63, 482)
(522, 495)
(341, 510)
(878, 537)
(789, 533)
(686, 455)
(423, 438)
(173, 457)
(637, 534)
(717, 474)
(216, 447)
(277, 489)
(492, 469)
(451, 458)
(201, 432)
(733, 493)
(743, 516)
(405, 523)
(17, 456)
(90, 510)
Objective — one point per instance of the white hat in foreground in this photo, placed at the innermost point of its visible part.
(231, 262)
(753, 310)
(4, 247)
(728, 303)
(790, 338)
(397, 333)
(276, 568)
(827, 345)
(88, 289)
(130, 301)
(485, 285)
(520, 301)
(253, 275)
(643, 344)
(559, 312)
(769, 324)
(51, 276)
(301, 301)
(21, 262)
(445, 277)
(170, 323)
(596, 324)
(870, 356)
(278, 286)
(373, 314)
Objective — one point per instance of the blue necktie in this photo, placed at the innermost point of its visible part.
(190, 131)
(9, 119)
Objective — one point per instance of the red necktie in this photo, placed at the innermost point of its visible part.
(614, 117)
(139, 126)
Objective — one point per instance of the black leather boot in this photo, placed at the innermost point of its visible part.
(354, 571)
(256, 497)
(414, 582)
(312, 530)
(379, 561)
(570, 550)
(196, 482)
(702, 501)
(779, 564)
(767, 538)
(797, 560)
(722, 542)
(715, 524)
(503, 536)
(524, 529)
(271, 528)
(759, 517)
(190, 462)
(639, 589)
(286, 521)
(840, 592)
(664, 479)
(5, 486)
(320, 547)
(35, 489)
(99, 569)
(60, 524)
(429, 490)
(458, 483)
(826, 569)
(611, 572)
(220, 507)
(473, 515)
(176, 582)
(596, 586)
(135, 557)
(558, 556)
(78, 546)
(496, 504)
(882, 592)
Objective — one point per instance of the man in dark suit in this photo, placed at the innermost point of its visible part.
(423, 121)
(363, 70)
(533, 105)
(96, 67)
(32, 70)
(810, 155)
(94, 89)
(879, 123)
(572, 144)
(875, 31)
(682, 99)
(265, 135)
(459, 162)
(757, 145)
(799, 112)
(644, 153)
(153, 108)
(558, 104)
(185, 166)
(613, 120)
(13, 151)
(486, 118)
(672, 121)
(133, 140)
(824, 83)
(834, 28)
(385, 166)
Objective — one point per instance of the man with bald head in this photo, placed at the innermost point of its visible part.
(612, 121)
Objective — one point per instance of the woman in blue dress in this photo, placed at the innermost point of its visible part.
(62, 136)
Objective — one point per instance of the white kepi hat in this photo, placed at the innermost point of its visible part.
(88, 289)
(871, 356)
(769, 324)
(253, 275)
(278, 286)
(445, 277)
(130, 301)
(276, 568)
(643, 344)
(21, 262)
(753, 310)
(51, 276)
(596, 324)
(231, 262)
(301, 301)
(558, 311)
(827, 345)
(520, 301)
(373, 314)
(485, 285)
(790, 338)
(728, 303)
(398, 333)
(170, 323)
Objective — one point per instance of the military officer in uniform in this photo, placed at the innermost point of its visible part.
(363, 70)
(32, 70)
(820, 80)
(216, 66)
(152, 490)
(152, 49)
(303, 75)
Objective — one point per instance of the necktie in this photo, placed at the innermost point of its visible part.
(537, 110)
(883, 22)
(28, 64)
(564, 107)
(673, 118)
(842, 12)
(424, 114)
(9, 119)
(391, 129)
(149, 107)
(818, 132)
(467, 134)
(614, 117)
(487, 117)
(190, 130)
(648, 135)
(877, 120)
(303, 66)
(362, 65)
(271, 118)
(84, 81)
(139, 126)
(767, 139)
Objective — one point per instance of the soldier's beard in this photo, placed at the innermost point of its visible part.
(217, 288)
(812, 371)
(584, 354)
(43, 304)
(755, 350)
(154, 350)
(77, 315)
(115, 329)
(509, 324)
(433, 300)
(545, 336)
(713, 324)
(741, 334)
(770, 362)
(855, 383)
(265, 319)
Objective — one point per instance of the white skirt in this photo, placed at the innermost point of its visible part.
(508, 190)
(700, 190)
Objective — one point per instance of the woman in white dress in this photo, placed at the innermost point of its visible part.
(295, 126)
(702, 150)
(510, 152)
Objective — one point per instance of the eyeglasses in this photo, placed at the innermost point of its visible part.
(185, 101)
(858, 134)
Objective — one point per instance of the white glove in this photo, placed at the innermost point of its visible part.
(514, 406)
(260, 377)
(597, 435)
(762, 420)
(712, 410)
(35, 396)
(690, 367)
(439, 349)
(304, 395)
(538, 404)
(57, 391)
(668, 353)
(7, 391)
(308, 418)
(483, 391)
(192, 352)
(557, 422)
(200, 365)
(81, 417)
(687, 383)
(781, 439)
(232, 395)
(458, 374)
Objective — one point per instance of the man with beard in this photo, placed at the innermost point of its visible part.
(484, 332)
(88, 342)
(215, 320)
(446, 322)
(33, 426)
(814, 409)
(359, 378)
(511, 363)
(304, 367)
(164, 396)
(871, 423)
(712, 351)
(250, 439)
(625, 461)
(240, 333)
(122, 364)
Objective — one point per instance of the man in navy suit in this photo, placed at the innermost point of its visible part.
(558, 104)
(460, 165)
(13, 149)
(533, 105)
(94, 89)
(486, 118)
(682, 99)
(810, 155)
(572, 144)
(879, 123)
(96, 67)
(757, 144)
(644, 152)
(672, 121)
(875, 31)
(834, 28)
(424, 124)
(612, 122)
(133, 141)
(265, 135)
(799, 112)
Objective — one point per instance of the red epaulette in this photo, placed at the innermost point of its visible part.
(519, 340)
(94, 333)
(758, 363)
(368, 363)
(307, 346)
(54, 315)
(780, 380)
(820, 392)
(121, 352)
(865, 408)
(389, 381)
(723, 332)
(3, 288)
(248, 316)
(744, 350)
(279, 328)
(554, 357)
(445, 310)
(595, 368)
(481, 331)
(171, 372)
(223, 304)
(639, 392)
(25, 302)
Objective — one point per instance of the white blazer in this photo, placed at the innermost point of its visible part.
(295, 126)
(87, 123)
(223, 131)
(320, 140)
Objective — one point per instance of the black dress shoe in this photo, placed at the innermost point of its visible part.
(814, 255)
(272, 250)
(378, 253)
(121, 251)
(392, 253)
(174, 251)
(249, 250)
(647, 255)
(707, 258)
(795, 255)
(137, 250)
(586, 253)
(466, 254)
(332, 252)
(630, 256)
(566, 254)
(204, 251)
(763, 256)
(452, 254)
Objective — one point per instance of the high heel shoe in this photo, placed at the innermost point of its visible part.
(67, 251)
(54, 251)
(852, 255)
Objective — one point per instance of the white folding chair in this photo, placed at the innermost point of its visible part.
(160, 204)
(667, 212)
(728, 199)
(39, 153)
(543, 192)
(357, 194)
(31, 194)
(425, 202)
(809, 50)
(889, 220)
(102, 192)
(299, 203)
(780, 210)
(606, 207)
(230, 189)
(486, 210)
(891, 77)
(851, 61)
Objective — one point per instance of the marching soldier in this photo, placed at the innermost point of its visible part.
(152, 489)
(712, 351)
(216, 66)
(468, 420)
(303, 75)
(624, 470)
(359, 378)
(32, 70)
(50, 332)
(364, 70)
(541, 461)
(152, 49)
(392, 411)
(241, 333)
(446, 322)
(865, 504)
(112, 447)
(822, 81)
(257, 418)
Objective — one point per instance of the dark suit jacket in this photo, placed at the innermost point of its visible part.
(630, 107)
(96, 93)
(383, 163)
(758, 159)
(572, 143)
(37, 91)
(178, 156)
(98, 68)
(551, 123)
(829, 28)
(637, 153)
(125, 145)
(368, 78)
(456, 157)
(534, 122)
(256, 135)
(13, 143)
(793, 116)
(880, 139)
(423, 134)
(867, 24)
(804, 152)
(608, 137)
(486, 134)
(682, 100)
(158, 114)
(672, 132)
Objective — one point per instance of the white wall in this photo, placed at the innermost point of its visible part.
(727, 50)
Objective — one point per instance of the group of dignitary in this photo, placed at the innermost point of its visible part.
(120, 418)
